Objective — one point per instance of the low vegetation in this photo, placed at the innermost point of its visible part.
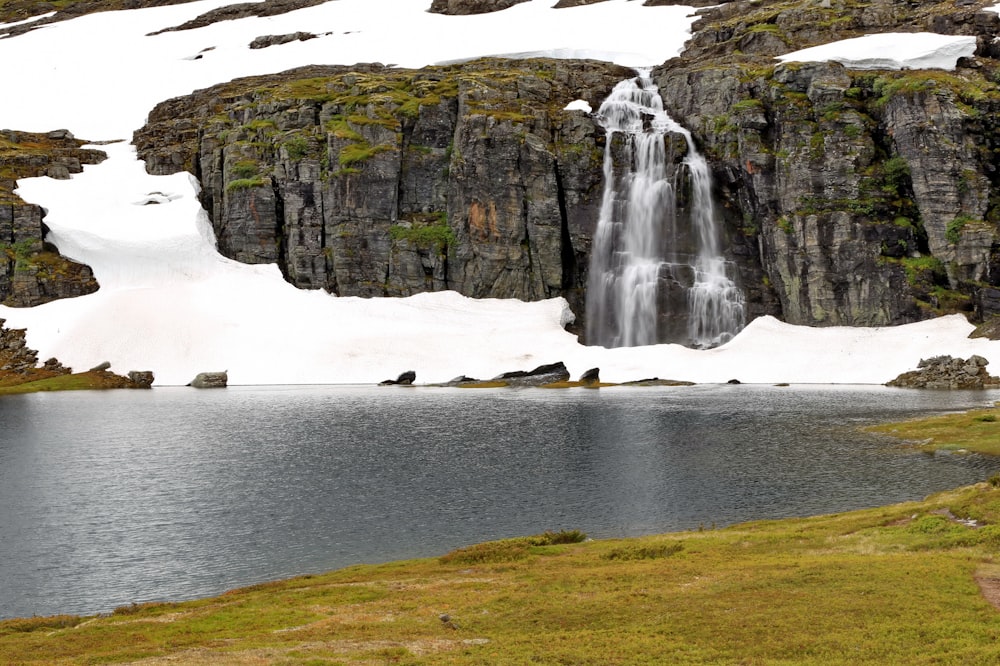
(77, 381)
(975, 431)
(912, 583)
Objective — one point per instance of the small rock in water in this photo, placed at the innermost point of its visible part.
(405, 379)
(210, 380)
(141, 378)
(591, 377)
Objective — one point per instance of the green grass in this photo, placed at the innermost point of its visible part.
(977, 431)
(79, 381)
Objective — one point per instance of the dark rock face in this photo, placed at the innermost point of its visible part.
(367, 181)
(989, 329)
(206, 380)
(869, 197)
(946, 372)
(465, 7)
(15, 355)
(32, 272)
(243, 10)
(265, 41)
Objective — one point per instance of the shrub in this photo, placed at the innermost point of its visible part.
(297, 147)
(245, 183)
(651, 552)
(244, 169)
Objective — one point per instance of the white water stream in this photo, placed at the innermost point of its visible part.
(638, 258)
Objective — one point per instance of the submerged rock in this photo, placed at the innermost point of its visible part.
(946, 372)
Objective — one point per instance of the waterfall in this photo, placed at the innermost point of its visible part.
(656, 272)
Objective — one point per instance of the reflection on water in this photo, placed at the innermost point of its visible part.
(130, 496)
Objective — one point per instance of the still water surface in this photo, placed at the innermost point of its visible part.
(108, 498)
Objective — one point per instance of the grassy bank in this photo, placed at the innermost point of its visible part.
(903, 584)
(78, 381)
(977, 431)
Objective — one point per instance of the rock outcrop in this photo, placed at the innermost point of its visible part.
(465, 7)
(17, 358)
(32, 272)
(946, 372)
(370, 181)
(19, 365)
(210, 380)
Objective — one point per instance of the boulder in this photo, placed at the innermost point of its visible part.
(543, 374)
(946, 372)
(591, 377)
(405, 379)
(141, 378)
(210, 380)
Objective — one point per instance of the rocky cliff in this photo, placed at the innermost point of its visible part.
(370, 181)
(849, 197)
(870, 197)
(32, 272)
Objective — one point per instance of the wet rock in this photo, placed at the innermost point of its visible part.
(543, 374)
(591, 377)
(405, 379)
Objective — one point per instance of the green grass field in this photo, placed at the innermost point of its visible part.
(903, 584)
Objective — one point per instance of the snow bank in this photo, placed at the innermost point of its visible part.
(891, 50)
(103, 88)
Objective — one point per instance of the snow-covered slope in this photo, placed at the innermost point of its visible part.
(168, 302)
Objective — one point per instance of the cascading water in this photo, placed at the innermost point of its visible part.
(645, 287)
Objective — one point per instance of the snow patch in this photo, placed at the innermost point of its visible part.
(891, 50)
(578, 105)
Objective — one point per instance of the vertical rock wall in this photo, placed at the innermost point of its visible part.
(368, 181)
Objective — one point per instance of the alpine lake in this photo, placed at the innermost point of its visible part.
(117, 497)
